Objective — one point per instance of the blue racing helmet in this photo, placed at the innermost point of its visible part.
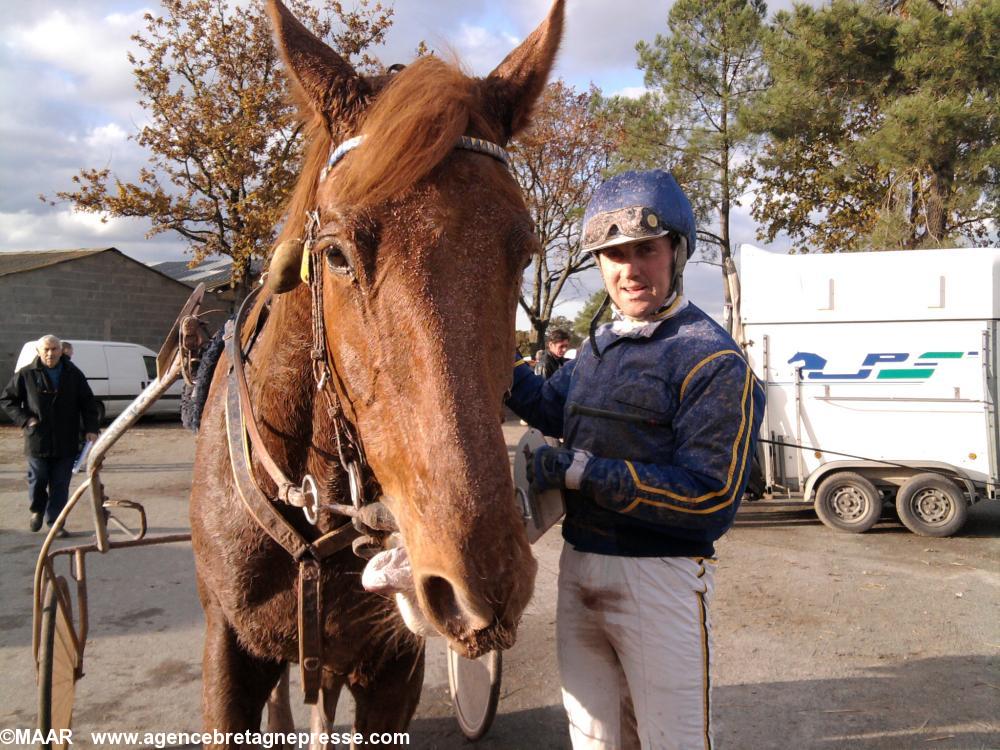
(635, 206)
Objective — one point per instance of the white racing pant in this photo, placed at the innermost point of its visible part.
(634, 644)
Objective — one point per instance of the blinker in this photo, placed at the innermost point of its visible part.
(285, 267)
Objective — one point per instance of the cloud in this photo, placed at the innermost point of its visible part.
(88, 52)
(62, 228)
(630, 92)
(106, 135)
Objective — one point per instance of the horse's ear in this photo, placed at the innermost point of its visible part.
(516, 83)
(325, 80)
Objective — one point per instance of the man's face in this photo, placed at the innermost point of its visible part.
(638, 275)
(50, 352)
(558, 348)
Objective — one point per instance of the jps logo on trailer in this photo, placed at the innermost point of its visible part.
(920, 368)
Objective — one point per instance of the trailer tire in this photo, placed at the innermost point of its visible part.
(846, 501)
(932, 505)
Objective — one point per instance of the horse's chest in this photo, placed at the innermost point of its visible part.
(264, 610)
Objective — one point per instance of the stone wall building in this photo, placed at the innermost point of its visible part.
(97, 294)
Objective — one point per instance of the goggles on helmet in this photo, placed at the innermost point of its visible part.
(632, 224)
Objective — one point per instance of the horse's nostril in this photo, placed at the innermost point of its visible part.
(446, 608)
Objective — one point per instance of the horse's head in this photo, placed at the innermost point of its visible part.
(423, 249)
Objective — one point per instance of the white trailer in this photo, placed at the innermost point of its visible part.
(880, 370)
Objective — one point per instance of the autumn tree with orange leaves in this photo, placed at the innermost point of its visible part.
(223, 142)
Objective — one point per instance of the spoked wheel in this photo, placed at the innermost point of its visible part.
(931, 505)
(475, 691)
(846, 501)
(57, 661)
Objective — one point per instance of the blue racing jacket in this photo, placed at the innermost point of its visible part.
(668, 483)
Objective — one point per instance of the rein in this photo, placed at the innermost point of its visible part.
(244, 439)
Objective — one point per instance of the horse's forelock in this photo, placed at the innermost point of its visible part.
(412, 125)
(303, 200)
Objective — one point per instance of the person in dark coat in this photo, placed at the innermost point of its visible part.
(49, 399)
(556, 345)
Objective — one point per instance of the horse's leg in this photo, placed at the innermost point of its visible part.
(235, 684)
(324, 712)
(279, 708)
(387, 701)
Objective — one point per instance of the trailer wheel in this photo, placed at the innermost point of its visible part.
(932, 505)
(846, 501)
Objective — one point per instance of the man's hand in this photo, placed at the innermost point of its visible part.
(548, 467)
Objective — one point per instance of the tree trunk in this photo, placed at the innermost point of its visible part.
(725, 248)
(937, 203)
(241, 280)
(540, 327)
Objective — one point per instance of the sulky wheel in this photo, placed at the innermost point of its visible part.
(846, 501)
(58, 657)
(931, 505)
(475, 691)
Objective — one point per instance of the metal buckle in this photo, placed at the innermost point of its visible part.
(357, 487)
(310, 492)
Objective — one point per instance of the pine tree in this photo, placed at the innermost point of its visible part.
(708, 69)
(882, 126)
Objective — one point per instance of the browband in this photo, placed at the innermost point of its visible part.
(466, 142)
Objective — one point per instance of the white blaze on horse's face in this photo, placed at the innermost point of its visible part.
(424, 245)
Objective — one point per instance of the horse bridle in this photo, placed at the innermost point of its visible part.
(243, 436)
(305, 495)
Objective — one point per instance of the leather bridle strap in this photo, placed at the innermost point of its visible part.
(288, 492)
(308, 555)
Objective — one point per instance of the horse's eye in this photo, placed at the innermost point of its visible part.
(336, 258)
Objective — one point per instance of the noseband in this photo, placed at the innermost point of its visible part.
(244, 439)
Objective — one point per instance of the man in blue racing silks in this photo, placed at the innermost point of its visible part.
(659, 414)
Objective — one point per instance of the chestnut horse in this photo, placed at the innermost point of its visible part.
(422, 249)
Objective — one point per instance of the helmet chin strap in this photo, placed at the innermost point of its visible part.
(680, 260)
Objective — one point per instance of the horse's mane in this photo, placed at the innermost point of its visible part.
(412, 125)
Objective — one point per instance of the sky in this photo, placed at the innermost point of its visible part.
(67, 101)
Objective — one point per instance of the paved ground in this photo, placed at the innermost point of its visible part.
(823, 640)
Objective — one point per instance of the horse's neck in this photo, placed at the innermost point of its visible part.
(281, 382)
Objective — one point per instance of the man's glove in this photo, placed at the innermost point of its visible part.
(548, 468)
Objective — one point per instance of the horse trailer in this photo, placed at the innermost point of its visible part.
(880, 370)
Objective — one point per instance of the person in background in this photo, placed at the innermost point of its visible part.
(67, 350)
(557, 342)
(659, 413)
(48, 399)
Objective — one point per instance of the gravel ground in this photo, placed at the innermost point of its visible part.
(822, 640)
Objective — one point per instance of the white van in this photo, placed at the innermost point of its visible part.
(117, 372)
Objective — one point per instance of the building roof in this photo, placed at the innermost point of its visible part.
(214, 274)
(29, 260)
